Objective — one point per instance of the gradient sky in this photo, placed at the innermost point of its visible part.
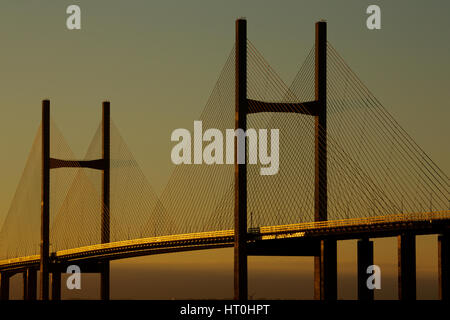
(157, 62)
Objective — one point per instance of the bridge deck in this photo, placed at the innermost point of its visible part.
(381, 226)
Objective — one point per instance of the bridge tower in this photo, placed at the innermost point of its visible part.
(325, 261)
(325, 265)
(45, 202)
(48, 163)
(240, 185)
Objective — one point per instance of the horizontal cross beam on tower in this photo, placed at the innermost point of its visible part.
(49, 163)
(98, 164)
(312, 108)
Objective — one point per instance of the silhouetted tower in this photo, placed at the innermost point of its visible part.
(106, 156)
(48, 163)
(325, 264)
(45, 202)
(240, 186)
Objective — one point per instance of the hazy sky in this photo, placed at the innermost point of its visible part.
(157, 62)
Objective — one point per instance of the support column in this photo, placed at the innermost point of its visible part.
(444, 266)
(407, 267)
(325, 265)
(105, 228)
(365, 259)
(325, 271)
(45, 200)
(4, 286)
(56, 285)
(31, 284)
(105, 281)
(240, 177)
(25, 285)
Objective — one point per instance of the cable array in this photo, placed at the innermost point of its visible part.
(373, 168)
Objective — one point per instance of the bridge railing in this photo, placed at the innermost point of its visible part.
(403, 217)
(20, 260)
(145, 241)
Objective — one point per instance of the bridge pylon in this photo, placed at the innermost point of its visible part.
(325, 261)
(49, 163)
(240, 186)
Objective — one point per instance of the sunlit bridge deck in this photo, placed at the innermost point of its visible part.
(422, 223)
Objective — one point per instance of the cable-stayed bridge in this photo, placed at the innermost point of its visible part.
(347, 171)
